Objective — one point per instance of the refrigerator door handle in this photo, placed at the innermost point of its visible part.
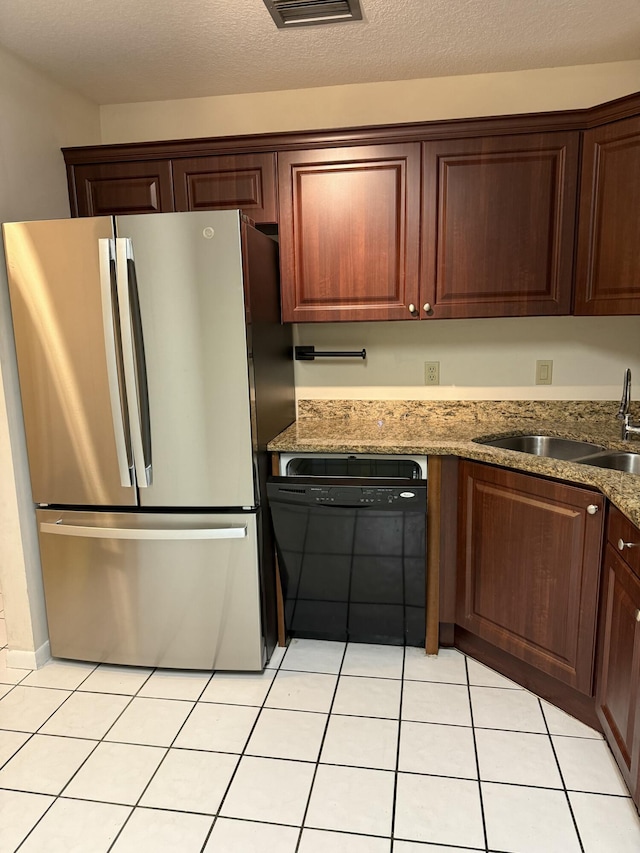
(106, 256)
(124, 254)
(62, 529)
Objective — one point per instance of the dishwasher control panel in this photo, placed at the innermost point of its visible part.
(401, 496)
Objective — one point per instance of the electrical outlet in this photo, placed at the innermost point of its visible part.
(432, 373)
(544, 372)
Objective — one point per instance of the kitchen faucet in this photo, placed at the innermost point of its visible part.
(627, 427)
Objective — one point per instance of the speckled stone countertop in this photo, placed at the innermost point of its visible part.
(448, 429)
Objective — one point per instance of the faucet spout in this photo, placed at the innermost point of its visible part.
(625, 402)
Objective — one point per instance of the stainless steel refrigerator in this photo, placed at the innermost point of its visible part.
(153, 371)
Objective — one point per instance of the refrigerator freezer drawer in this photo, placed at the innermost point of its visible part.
(153, 589)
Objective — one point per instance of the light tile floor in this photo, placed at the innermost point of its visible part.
(333, 749)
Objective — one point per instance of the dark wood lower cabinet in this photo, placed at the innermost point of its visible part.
(618, 688)
(528, 569)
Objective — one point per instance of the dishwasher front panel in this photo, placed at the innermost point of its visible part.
(352, 565)
(153, 589)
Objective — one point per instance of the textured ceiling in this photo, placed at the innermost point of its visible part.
(115, 51)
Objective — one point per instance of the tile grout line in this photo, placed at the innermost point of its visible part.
(397, 767)
(564, 785)
(320, 748)
(475, 750)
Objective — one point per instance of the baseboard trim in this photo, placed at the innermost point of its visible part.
(19, 659)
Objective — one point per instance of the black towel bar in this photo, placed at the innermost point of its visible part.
(309, 354)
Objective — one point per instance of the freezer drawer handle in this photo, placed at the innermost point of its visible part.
(105, 249)
(142, 533)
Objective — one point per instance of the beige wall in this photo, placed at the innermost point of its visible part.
(372, 103)
(36, 119)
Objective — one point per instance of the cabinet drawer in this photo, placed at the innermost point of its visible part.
(621, 530)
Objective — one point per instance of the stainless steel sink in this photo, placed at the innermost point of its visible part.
(544, 445)
(618, 460)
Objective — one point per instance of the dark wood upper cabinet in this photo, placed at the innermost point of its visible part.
(349, 232)
(245, 181)
(618, 684)
(528, 569)
(111, 188)
(608, 259)
(498, 225)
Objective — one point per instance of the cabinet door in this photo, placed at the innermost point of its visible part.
(101, 189)
(618, 689)
(529, 558)
(349, 233)
(245, 181)
(608, 260)
(499, 219)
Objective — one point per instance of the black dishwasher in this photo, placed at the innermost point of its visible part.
(351, 540)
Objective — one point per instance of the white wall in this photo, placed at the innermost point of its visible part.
(37, 119)
(542, 89)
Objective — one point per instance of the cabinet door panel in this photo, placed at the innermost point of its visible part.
(529, 569)
(245, 181)
(608, 260)
(349, 221)
(498, 225)
(619, 682)
(114, 188)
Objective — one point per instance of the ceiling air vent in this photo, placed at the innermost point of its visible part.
(308, 13)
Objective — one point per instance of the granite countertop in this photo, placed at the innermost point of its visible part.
(448, 429)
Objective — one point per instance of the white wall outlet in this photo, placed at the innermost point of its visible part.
(544, 372)
(432, 373)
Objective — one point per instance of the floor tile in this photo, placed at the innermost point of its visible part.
(606, 824)
(115, 773)
(520, 758)
(517, 710)
(287, 734)
(239, 688)
(163, 832)
(417, 847)
(373, 660)
(65, 675)
(438, 810)
(481, 676)
(560, 723)
(116, 679)
(323, 841)
(276, 658)
(191, 781)
(270, 790)
(45, 764)
(25, 709)
(244, 836)
(438, 750)
(225, 728)
(361, 742)
(10, 675)
(448, 666)
(430, 702)
(154, 722)
(314, 656)
(169, 684)
(19, 813)
(4, 689)
(351, 799)
(76, 826)
(302, 691)
(588, 765)
(528, 820)
(10, 743)
(88, 715)
(3, 633)
(375, 697)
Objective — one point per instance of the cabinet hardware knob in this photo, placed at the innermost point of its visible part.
(622, 544)
(592, 509)
(426, 307)
(412, 310)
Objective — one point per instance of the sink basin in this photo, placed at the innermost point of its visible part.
(618, 460)
(545, 445)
